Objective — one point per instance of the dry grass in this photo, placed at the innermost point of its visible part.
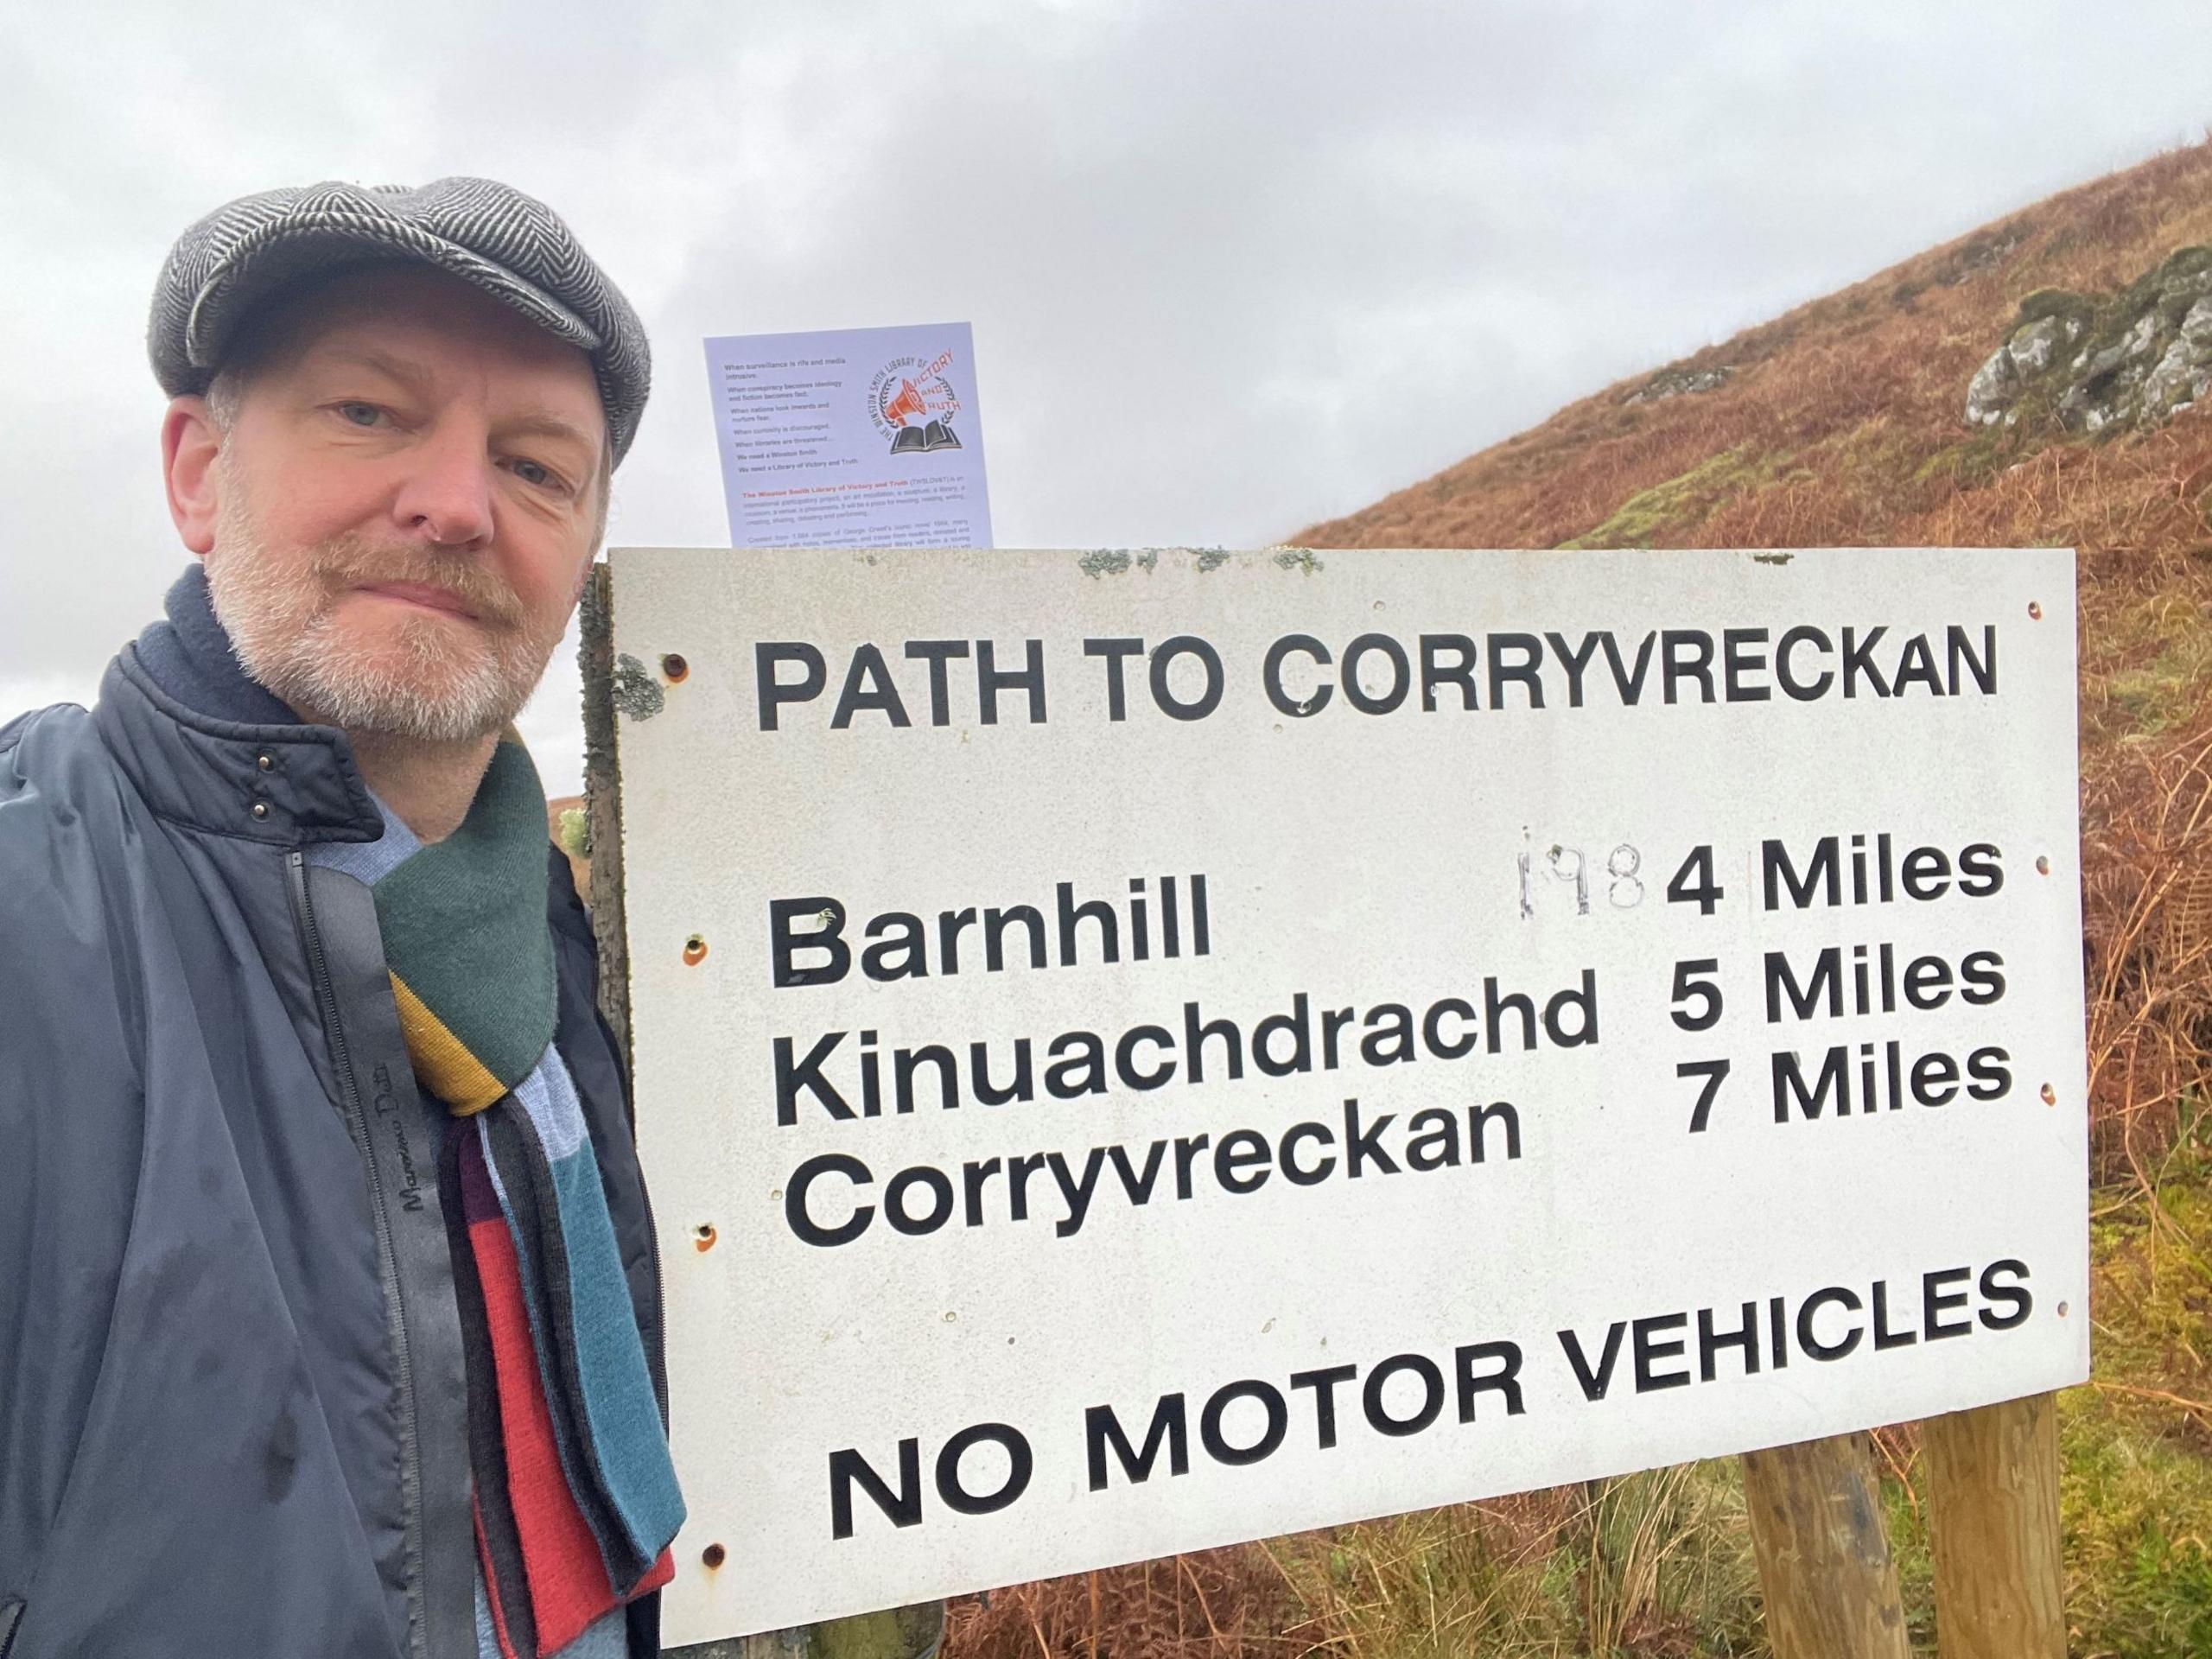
(1224, 1601)
(1841, 425)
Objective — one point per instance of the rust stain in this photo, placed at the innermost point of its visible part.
(695, 950)
(673, 668)
(703, 1234)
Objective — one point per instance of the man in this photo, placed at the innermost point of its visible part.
(329, 1302)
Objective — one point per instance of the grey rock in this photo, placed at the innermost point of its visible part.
(1994, 385)
(2030, 347)
(1674, 382)
(2144, 354)
(1999, 381)
(2095, 365)
(2183, 374)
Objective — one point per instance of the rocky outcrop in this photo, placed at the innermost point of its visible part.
(2133, 359)
(1674, 382)
(2029, 350)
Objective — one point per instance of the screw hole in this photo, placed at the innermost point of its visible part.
(695, 950)
(704, 1232)
(673, 667)
(2035, 611)
(2062, 1310)
(714, 1555)
(2050, 1095)
(2042, 867)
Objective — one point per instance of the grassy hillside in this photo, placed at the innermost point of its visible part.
(1843, 424)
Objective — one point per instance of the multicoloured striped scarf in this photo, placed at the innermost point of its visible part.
(576, 1497)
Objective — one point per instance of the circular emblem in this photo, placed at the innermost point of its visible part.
(913, 405)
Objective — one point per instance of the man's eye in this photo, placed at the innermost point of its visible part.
(359, 414)
(531, 472)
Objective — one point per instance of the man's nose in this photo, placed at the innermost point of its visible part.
(445, 495)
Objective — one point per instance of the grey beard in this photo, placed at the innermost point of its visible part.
(443, 689)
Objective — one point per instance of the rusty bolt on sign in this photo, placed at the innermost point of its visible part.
(704, 1232)
(674, 668)
(2035, 610)
(714, 1555)
(695, 950)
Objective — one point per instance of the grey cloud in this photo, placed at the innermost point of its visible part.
(1232, 268)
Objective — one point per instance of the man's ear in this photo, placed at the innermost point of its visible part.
(189, 446)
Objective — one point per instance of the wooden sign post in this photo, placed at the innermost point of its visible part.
(1992, 1480)
(1825, 1567)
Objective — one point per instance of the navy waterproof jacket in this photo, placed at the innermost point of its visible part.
(233, 1416)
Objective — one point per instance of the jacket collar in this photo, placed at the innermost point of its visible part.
(209, 748)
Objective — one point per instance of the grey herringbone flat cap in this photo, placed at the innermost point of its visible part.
(511, 245)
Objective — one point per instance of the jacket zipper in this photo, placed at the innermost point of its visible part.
(342, 1061)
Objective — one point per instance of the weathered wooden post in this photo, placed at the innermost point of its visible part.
(1825, 1567)
(913, 1632)
(603, 804)
(1992, 1481)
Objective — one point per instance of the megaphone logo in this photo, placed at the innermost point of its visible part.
(913, 405)
(906, 406)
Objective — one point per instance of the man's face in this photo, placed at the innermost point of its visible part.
(408, 504)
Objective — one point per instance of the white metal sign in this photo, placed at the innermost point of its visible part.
(1135, 1052)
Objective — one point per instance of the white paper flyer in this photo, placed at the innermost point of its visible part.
(851, 437)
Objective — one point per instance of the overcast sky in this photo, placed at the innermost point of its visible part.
(1305, 254)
